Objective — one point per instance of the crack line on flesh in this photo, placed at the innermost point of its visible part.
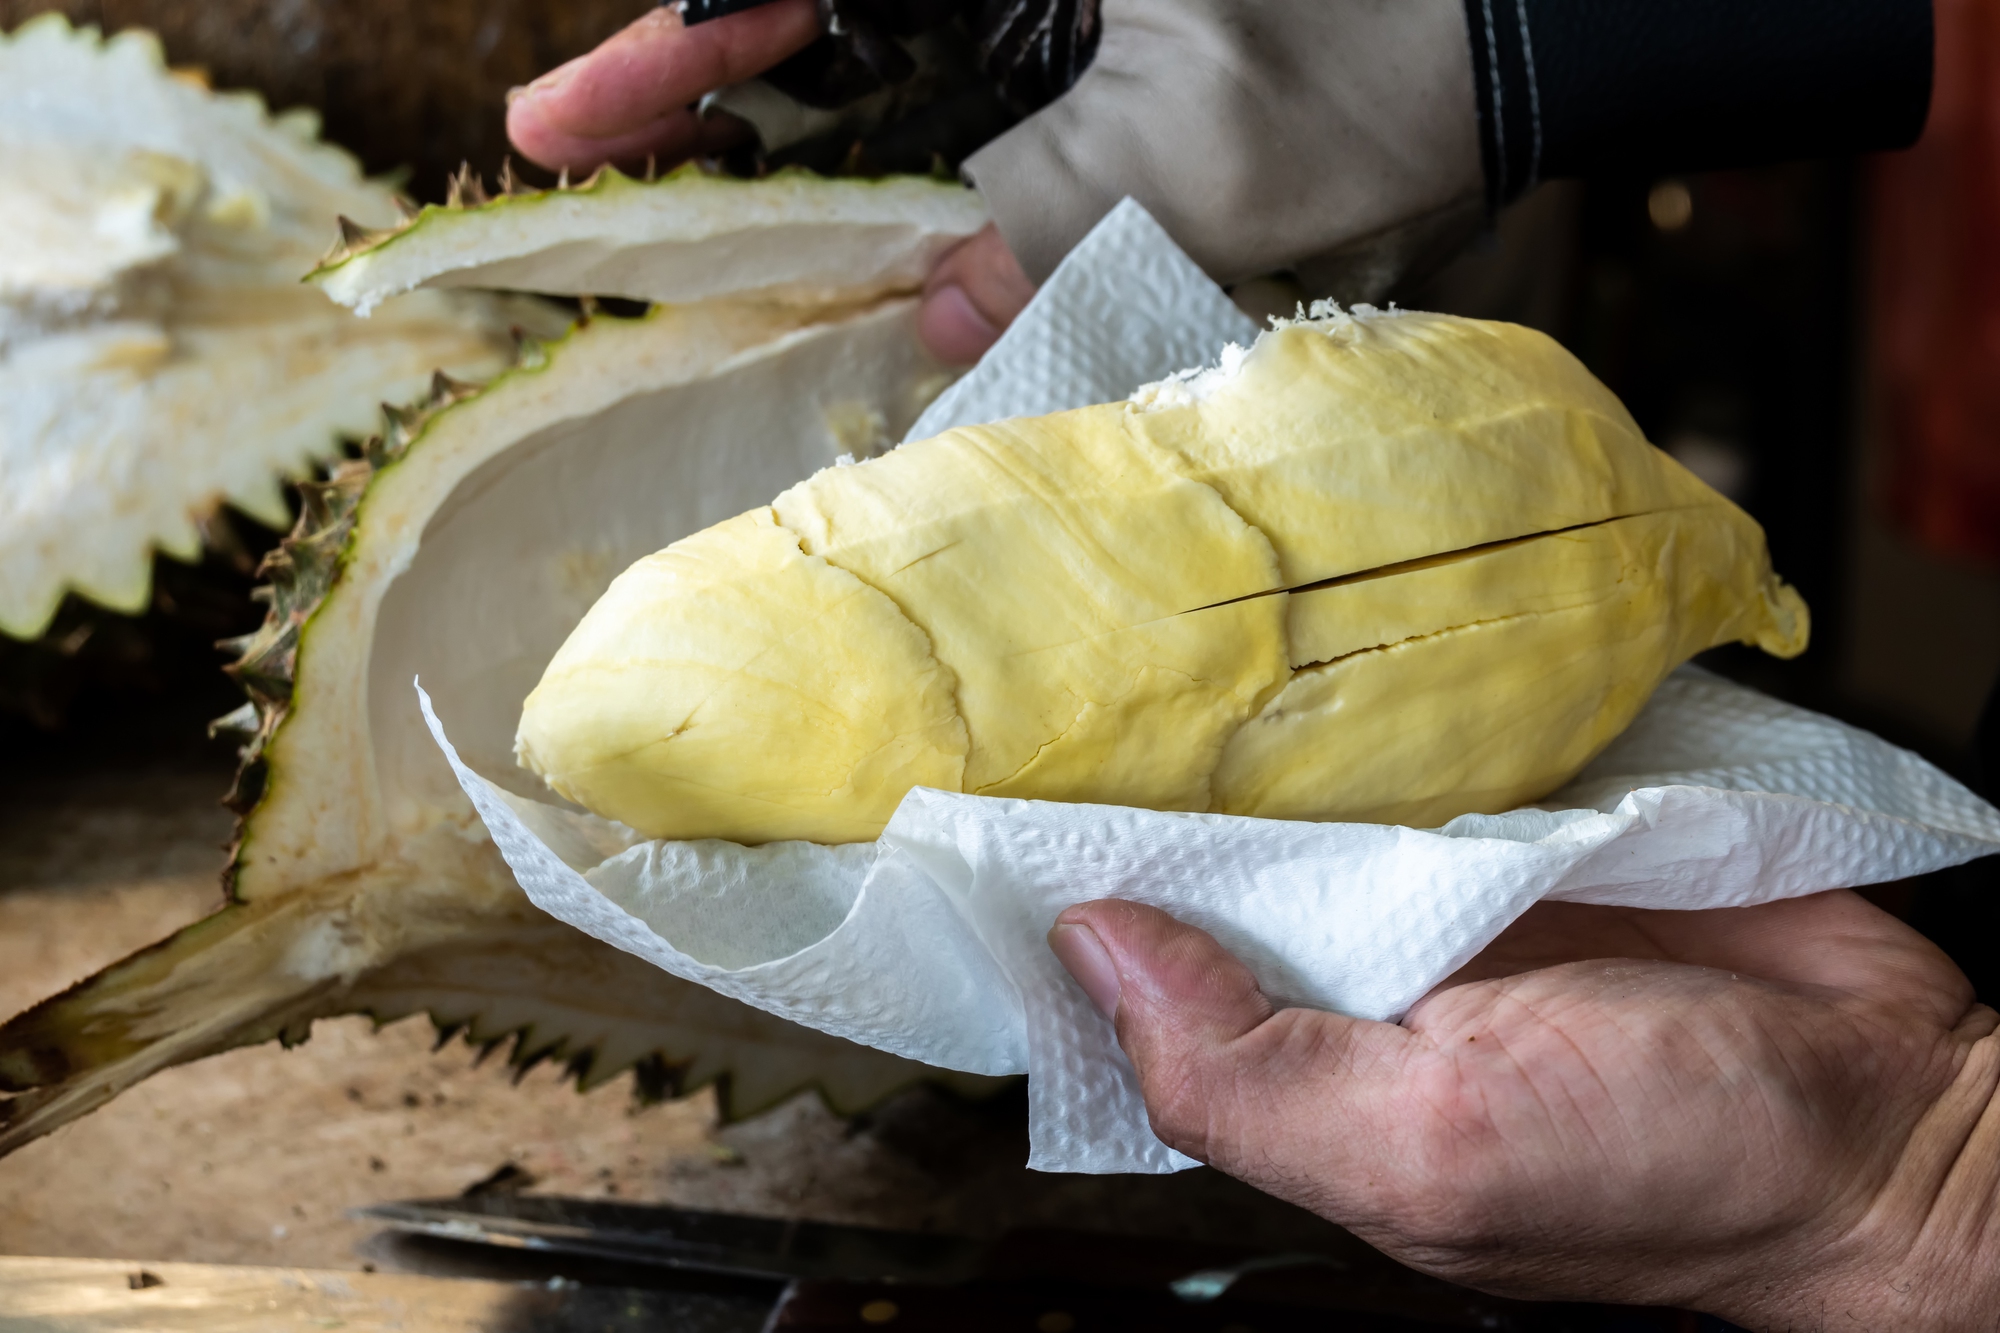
(911, 564)
(1448, 629)
(747, 664)
(1076, 720)
(1440, 559)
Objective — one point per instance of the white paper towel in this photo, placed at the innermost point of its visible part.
(1125, 308)
(930, 941)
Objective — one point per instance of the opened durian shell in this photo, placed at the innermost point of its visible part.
(791, 237)
(462, 548)
(158, 356)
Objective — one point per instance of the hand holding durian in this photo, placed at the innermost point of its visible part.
(1381, 567)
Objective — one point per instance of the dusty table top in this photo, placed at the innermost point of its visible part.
(256, 1156)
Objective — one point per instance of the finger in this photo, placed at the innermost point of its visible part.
(1282, 1099)
(973, 294)
(1837, 941)
(633, 91)
(952, 329)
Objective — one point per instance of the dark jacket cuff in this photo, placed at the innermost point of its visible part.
(1650, 87)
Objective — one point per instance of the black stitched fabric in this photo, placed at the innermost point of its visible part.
(1031, 50)
(1574, 87)
(1508, 87)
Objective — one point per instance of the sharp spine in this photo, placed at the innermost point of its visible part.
(466, 189)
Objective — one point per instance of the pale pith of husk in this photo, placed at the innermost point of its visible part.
(158, 356)
(692, 235)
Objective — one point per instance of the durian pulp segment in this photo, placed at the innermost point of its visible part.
(1492, 677)
(1122, 594)
(892, 705)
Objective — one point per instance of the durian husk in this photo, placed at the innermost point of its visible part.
(432, 921)
(695, 233)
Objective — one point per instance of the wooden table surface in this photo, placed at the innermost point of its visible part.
(120, 1296)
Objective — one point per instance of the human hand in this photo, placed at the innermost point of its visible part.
(1785, 1115)
(633, 97)
(973, 294)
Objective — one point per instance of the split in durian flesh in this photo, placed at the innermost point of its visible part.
(1392, 568)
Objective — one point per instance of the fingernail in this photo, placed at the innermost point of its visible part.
(516, 93)
(548, 83)
(1084, 955)
(952, 327)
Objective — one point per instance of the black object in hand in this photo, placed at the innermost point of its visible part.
(701, 11)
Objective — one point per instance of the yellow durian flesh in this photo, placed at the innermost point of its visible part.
(1482, 681)
(1368, 442)
(1396, 568)
(809, 719)
(1047, 559)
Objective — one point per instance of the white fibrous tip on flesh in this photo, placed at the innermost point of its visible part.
(1185, 388)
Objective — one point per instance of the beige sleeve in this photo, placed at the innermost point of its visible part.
(1260, 133)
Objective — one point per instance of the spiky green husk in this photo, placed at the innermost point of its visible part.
(435, 927)
(299, 573)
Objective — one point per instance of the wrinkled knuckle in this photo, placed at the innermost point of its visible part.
(1181, 1106)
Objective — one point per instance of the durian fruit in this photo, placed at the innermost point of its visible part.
(463, 547)
(1387, 568)
(158, 355)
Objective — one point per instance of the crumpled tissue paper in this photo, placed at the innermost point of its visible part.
(929, 942)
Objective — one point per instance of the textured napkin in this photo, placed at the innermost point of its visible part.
(1125, 308)
(929, 942)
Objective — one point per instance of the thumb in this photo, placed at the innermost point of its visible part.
(972, 295)
(1284, 1099)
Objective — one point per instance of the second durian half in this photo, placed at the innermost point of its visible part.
(1381, 567)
